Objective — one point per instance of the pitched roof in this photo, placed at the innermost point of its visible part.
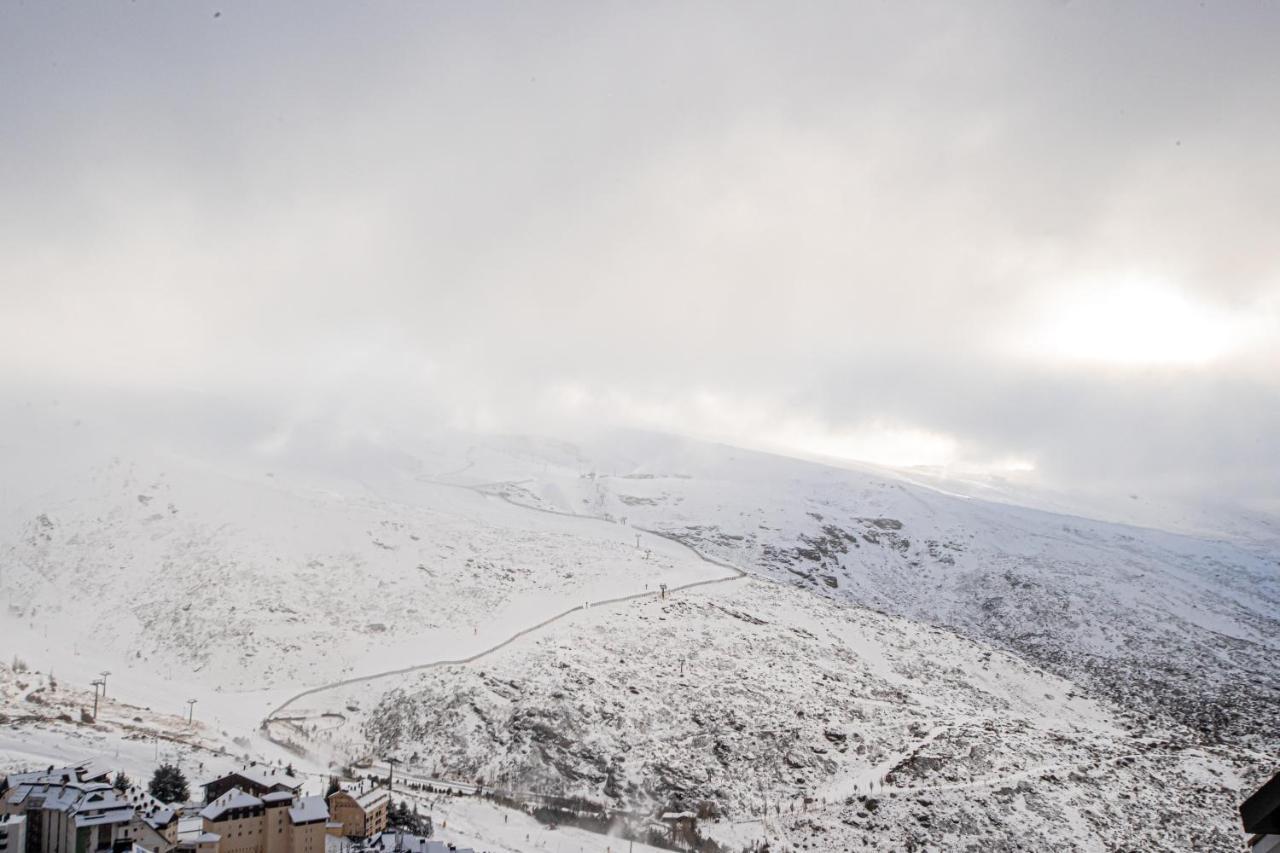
(309, 809)
(372, 797)
(67, 797)
(85, 803)
(365, 799)
(233, 799)
(98, 818)
(391, 841)
(263, 775)
(150, 809)
(72, 773)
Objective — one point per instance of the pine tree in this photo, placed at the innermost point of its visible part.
(168, 785)
(334, 787)
(400, 816)
(121, 782)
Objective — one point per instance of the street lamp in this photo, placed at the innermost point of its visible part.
(191, 711)
(104, 675)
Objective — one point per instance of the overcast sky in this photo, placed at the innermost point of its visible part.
(1034, 235)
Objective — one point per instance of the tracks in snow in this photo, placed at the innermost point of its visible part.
(736, 574)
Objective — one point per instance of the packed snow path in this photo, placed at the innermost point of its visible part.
(736, 574)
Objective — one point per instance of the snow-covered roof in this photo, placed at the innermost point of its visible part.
(263, 776)
(85, 803)
(98, 818)
(678, 815)
(304, 809)
(54, 797)
(191, 831)
(391, 841)
(233, 799)
(70, 774)
(371, 797)
(154, 812)
(309, 809)
(85, 800)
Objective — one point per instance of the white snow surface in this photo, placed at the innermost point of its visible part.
(1006, 672)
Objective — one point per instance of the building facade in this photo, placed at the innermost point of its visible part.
(277, 822)
(362, 813)
(13, 835)
(72, 817)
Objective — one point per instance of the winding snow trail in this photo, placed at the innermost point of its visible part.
(736, 574)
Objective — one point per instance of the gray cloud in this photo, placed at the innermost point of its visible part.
(522, 217)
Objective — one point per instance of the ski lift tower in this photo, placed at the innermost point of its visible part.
(97, 682)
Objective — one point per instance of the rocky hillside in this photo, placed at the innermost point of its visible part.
(1161, 622)
(899, 667)
(818, 724)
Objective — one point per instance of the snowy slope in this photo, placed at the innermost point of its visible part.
(1017, 671)
(1164, 621)
(252, 578)
(728, 699)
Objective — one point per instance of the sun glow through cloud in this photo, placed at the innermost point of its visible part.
(1137, 322)
(878, 443)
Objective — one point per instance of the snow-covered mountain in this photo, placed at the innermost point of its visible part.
(247, 578)
(1169, 622)
(777, 714)
(492, 607)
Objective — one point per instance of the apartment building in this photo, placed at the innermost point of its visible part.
(74, 810)
(160, 817)
(71, 817)
(276, 822)
(361, 811)
(254, 779)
